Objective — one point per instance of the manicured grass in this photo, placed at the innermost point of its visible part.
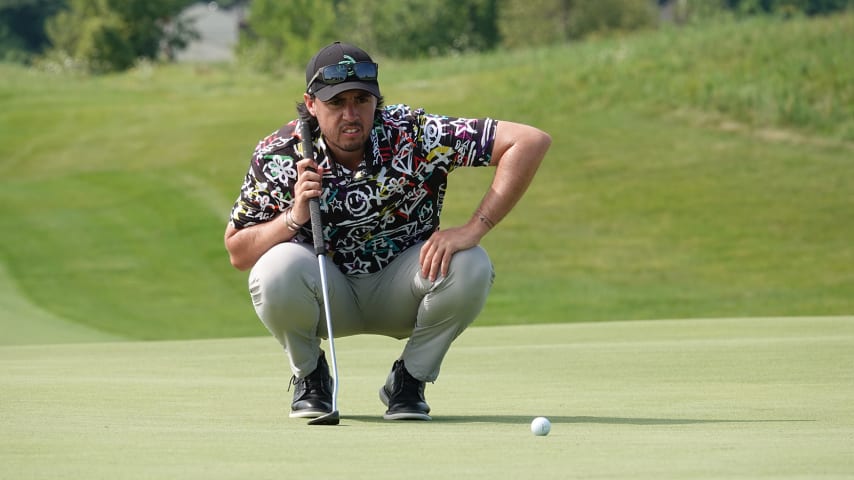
(694, 173)
(24, 323)
(738, 398)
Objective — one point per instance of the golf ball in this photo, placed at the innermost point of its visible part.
(541, 426)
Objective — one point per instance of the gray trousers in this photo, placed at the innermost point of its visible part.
(396, 301)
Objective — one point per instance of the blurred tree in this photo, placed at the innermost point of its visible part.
(281, 33)
(112, 35)
(411, 28)
(699, 10)
(278, 33)
(808, 7)
(534, 22)
(537, 22)
(594, 16)
(22, 32)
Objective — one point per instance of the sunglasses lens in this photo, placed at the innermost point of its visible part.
(365, 70)
(334, 74)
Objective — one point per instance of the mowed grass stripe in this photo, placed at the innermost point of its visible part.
(23, 322)
(729, 398)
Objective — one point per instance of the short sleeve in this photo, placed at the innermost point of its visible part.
(466, 142)
(267, 188)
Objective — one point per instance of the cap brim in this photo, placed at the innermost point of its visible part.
(327, 92)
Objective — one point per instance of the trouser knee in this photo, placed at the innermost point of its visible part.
(472, 271)
(467, 284)
(283, 288)
(447, 310)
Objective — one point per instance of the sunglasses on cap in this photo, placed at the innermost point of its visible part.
(341, 72)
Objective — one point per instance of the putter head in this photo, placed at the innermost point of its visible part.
(331, 418)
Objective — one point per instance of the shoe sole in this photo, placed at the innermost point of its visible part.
(407, 416)
(308, 414)
(401, 415)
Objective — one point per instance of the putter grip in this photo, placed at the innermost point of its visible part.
(316, 227)
(314, 203)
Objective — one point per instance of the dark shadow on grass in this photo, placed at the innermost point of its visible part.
(525, 419)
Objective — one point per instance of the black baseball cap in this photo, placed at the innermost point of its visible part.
(335, 54)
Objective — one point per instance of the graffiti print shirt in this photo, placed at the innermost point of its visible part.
(390, 203)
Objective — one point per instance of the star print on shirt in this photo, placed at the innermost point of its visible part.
(336, 205)
(464, 127)
(357, 266)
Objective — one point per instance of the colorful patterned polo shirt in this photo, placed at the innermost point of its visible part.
(388, 204)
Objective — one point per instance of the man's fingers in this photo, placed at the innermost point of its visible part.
(422, 256)
(426, 258)
(435, 259)
(436, 265)
(446, 263)
(309, 180)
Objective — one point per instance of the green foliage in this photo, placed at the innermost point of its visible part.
(12, 48)
(594, 16)
(285, 33)
(412, 29)
(700, 10)
(112, 35)
(543, 22)
(22, 27)
(93, 35)
(533, 22)
(788, 7)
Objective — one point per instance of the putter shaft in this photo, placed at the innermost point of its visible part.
(321, 261)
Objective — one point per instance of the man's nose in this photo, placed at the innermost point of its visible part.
(350, 111)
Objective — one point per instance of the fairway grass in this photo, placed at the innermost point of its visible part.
(38, 326)
(733, 398)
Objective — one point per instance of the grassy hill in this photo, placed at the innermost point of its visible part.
(701, 172)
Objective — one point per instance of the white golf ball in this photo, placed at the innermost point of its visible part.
(541, 426)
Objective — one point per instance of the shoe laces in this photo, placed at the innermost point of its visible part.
(315, 381)
(408, 384)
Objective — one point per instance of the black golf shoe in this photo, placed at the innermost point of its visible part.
(403, 394)
(312, 393)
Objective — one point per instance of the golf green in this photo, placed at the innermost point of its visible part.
(728, 398)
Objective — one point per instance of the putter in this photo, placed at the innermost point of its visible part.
(333, 417)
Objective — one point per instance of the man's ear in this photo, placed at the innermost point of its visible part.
(310, 104)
